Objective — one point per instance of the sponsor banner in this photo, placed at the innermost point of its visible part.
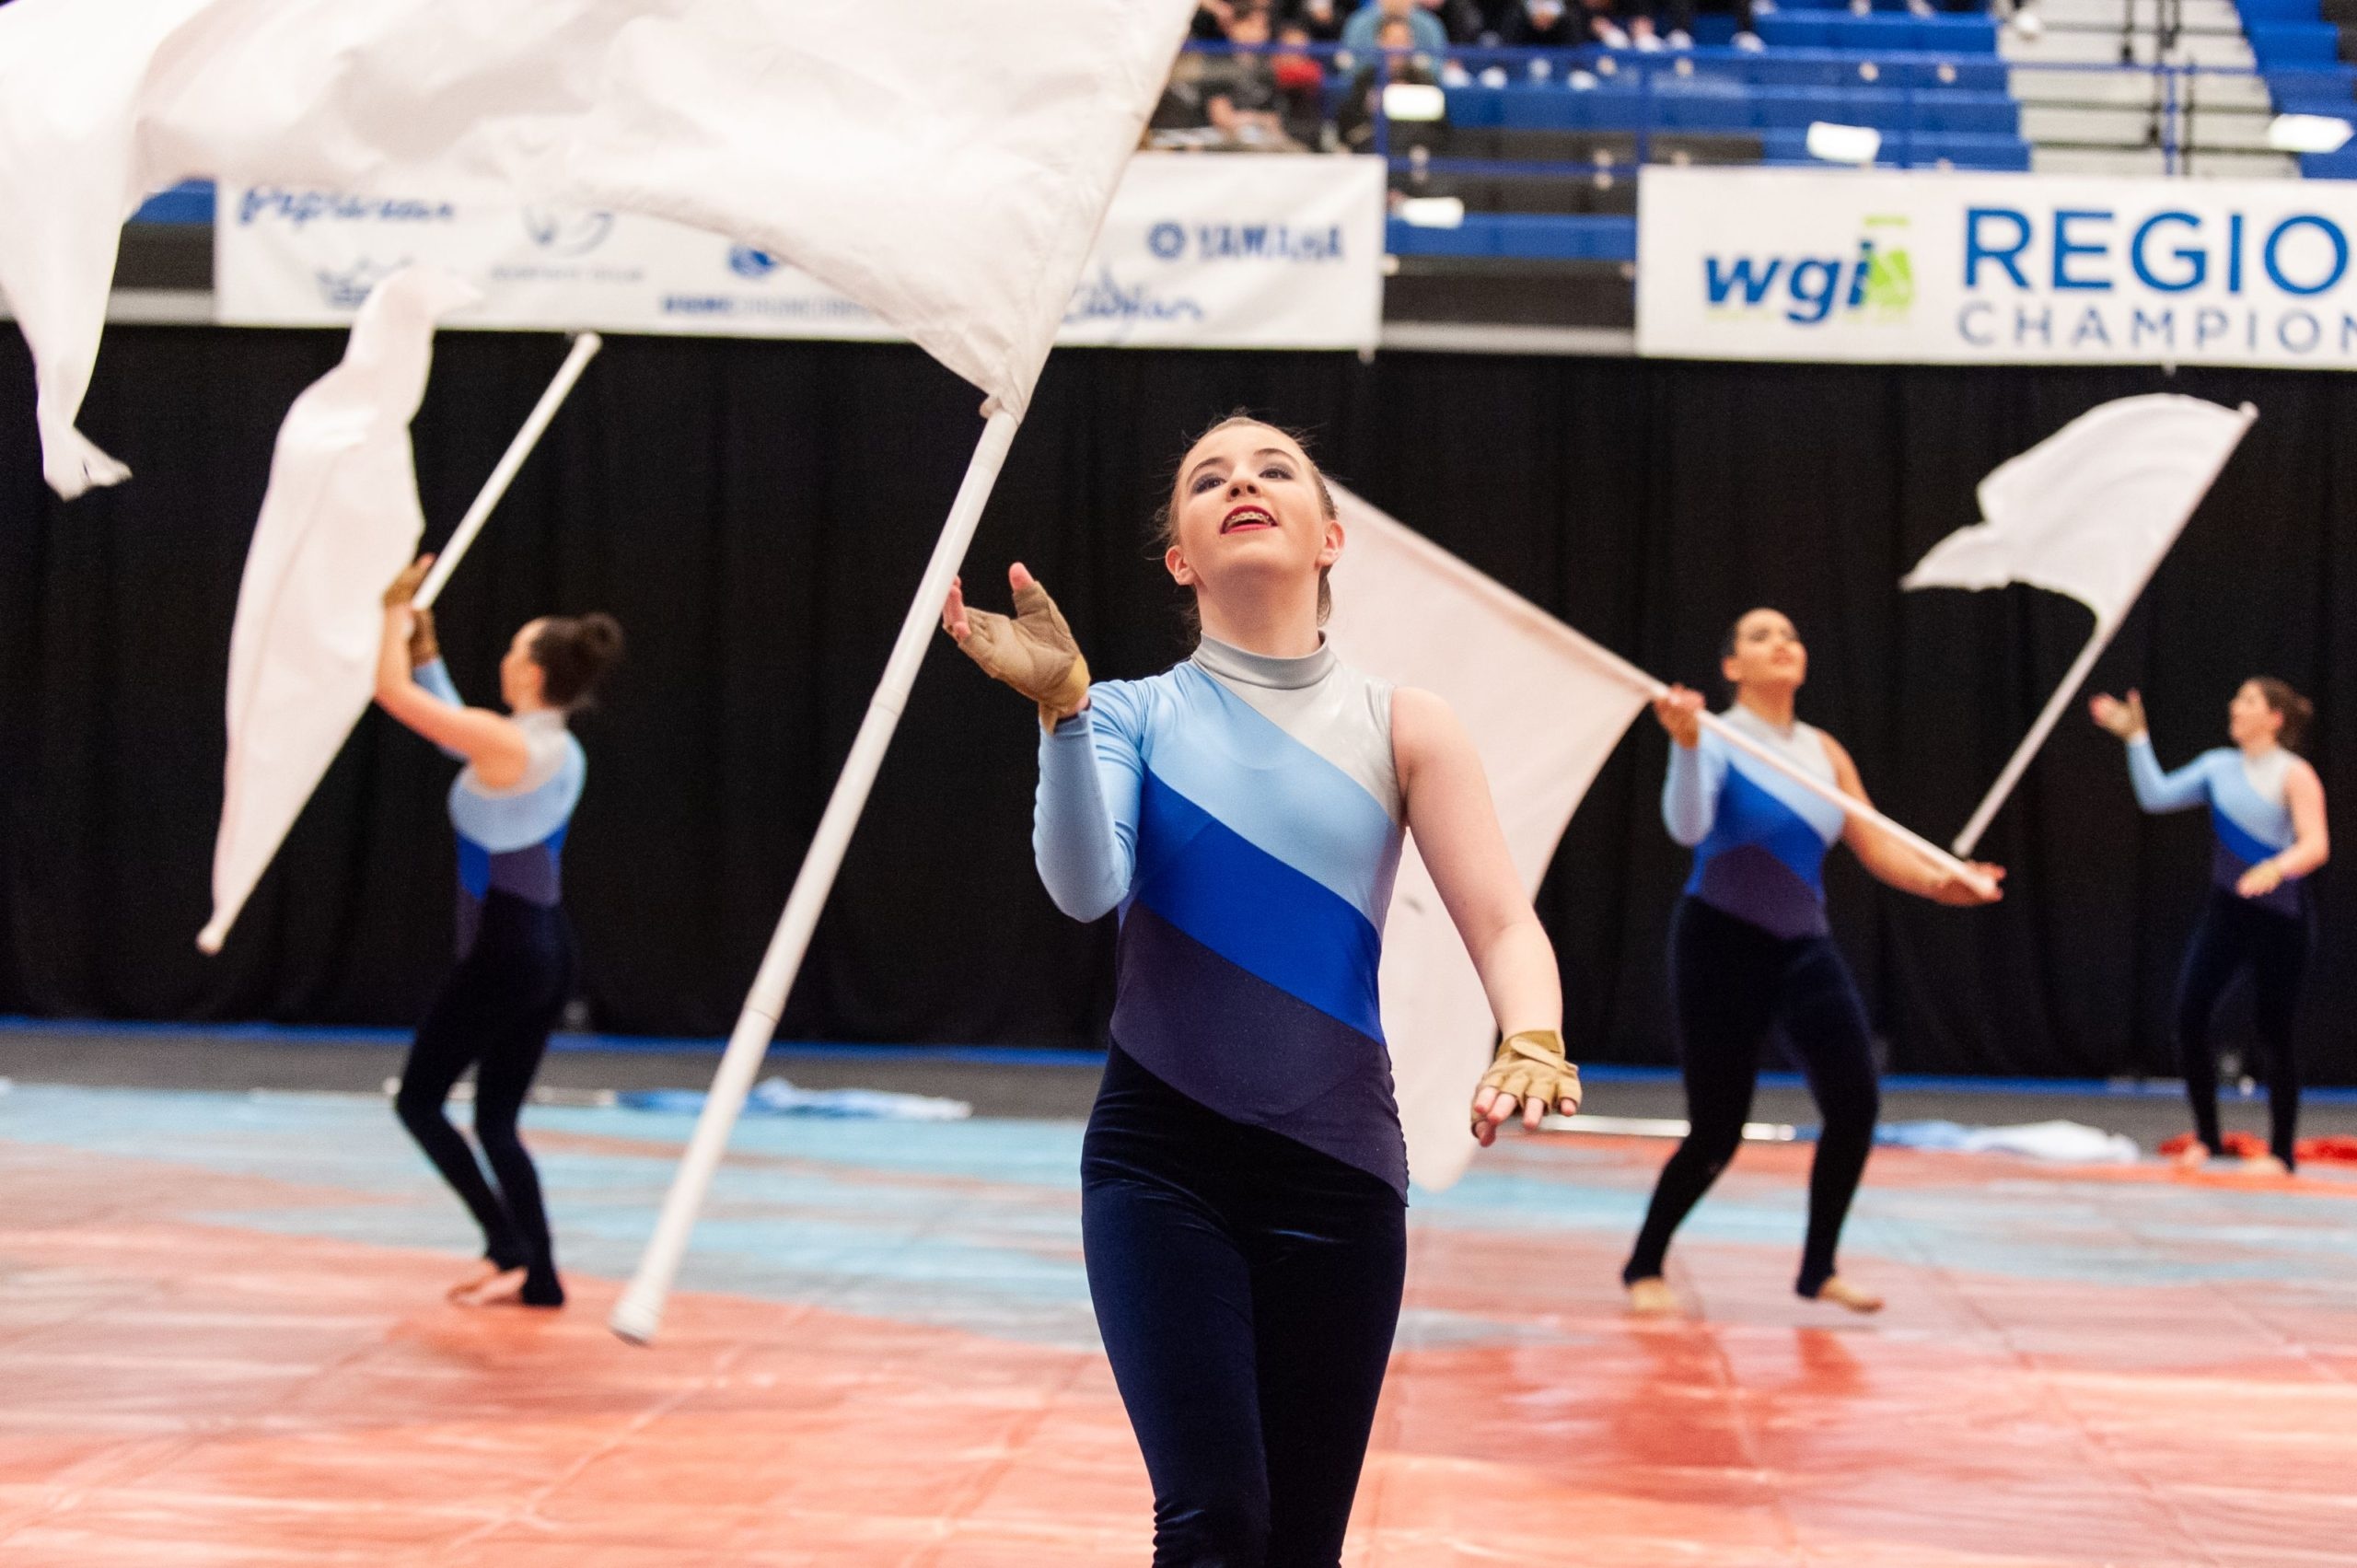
(1952, 268)
(1198, 252)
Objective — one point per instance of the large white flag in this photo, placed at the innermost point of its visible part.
(1545, 707)
(944, 163)
(340, 519)
(2088, 512)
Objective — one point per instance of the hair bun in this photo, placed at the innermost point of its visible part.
(574, 653)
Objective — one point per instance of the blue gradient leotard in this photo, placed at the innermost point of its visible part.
(1243, 1176)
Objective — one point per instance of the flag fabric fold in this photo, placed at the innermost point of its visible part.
(944, 164)
(1545, 707)
(340, 517)
(2090, 510)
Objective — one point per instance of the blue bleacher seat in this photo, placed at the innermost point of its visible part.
(1524, 235)
(2293, 43)
(191, 202)
(1920, 149)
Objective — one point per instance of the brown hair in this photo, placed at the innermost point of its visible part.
(574, 653)
(2296, 711)
(1166, 517)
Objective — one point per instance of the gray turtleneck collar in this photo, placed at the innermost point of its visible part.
(1260, 669)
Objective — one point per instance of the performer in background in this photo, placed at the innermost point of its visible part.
(2267, 813)
(511, 805)
(1244, 1177)
(1749, 949)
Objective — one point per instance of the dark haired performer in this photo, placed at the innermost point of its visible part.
(1749, 949)
(2266, 810)
(511, 807)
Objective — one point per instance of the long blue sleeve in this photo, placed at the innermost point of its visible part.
(1689, 795)
(1085, 822)
(435, 676)
(2157, 791)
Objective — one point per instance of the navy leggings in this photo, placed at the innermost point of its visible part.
(493, 1013)
(2234, 932)
(1246, 1287)
(1731, 983)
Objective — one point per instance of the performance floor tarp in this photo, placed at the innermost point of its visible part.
(222, 1340)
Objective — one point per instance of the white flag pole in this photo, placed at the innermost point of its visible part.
(585, 349)
(2105, 629)
(639, 1314)
(2019, 762)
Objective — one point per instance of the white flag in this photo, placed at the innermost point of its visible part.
(944, 163)
(341, 519)
(1545, 707)
(2090, 510)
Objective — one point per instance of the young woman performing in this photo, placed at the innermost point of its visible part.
(2266, 810)
(1243, 1175)
(511, 807)
(1749, 949)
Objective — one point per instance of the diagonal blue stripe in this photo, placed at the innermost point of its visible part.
(1750, 815)
(2239, 839)
(1255, 910)
(1276, 792)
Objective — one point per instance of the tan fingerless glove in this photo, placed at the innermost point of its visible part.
(424, 647)
(1531, 1065)
(1033, 652)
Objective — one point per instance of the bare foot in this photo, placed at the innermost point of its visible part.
(482, 1276)
(2193, 1156)
(1651, 1298)
(1842, 1293)
(2265, 1165)
(500, 1288)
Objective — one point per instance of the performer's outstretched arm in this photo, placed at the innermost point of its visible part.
(1455, 825)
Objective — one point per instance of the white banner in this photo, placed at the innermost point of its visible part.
(1198, 252)
(1891, 268)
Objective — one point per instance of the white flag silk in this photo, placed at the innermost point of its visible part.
(944, 163)
(2090, 510)
(340, 519)
(1545, 707)
(71, 172)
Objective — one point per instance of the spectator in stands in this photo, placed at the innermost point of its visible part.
(1301, 86)
(1356, 122)
(1460, 19)
(1548, 24)
(1241, 99)
(1212, 18)
(1321, 19)
(1680, 14)
(1424, 28)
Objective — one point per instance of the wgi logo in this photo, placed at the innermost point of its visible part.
(1875, 283)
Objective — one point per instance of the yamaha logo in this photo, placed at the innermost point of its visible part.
(748, 262)
(566, 233)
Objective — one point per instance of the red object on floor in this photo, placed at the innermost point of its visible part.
(2332, 1150)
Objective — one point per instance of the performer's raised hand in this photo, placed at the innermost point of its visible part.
(2124, 719)
(1679, 711)
(401, 594)
(1529, 1075)
(1032, 651)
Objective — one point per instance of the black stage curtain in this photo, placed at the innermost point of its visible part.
(756, 513)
